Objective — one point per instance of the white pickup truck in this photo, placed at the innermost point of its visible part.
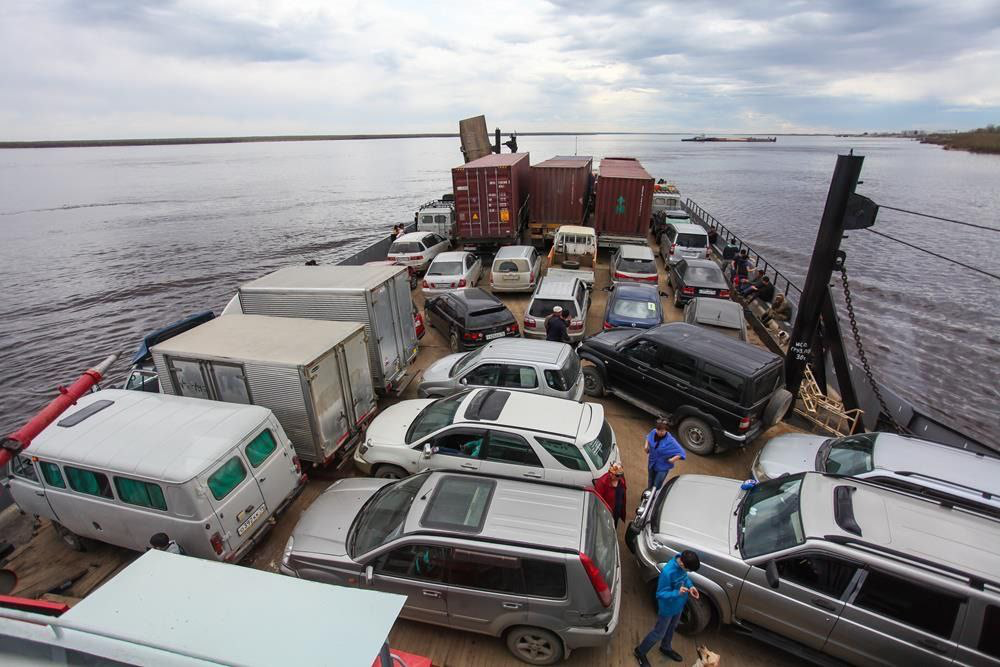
(574, 251)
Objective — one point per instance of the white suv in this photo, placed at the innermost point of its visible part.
(492, 431)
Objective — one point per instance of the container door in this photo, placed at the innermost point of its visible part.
(354, 362)
(332, 412)
(230, 382)
(404, 318)
(189, 378)
(236, 499)
(385, 333)
(26, 488)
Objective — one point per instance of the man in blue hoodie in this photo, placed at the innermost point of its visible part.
(672, 590)
(663, 451)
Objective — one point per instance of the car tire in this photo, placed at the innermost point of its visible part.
(696, 436)
(70, 539)
(593, 383)
(534, 646)
(696, 617)
(453, 343)
(388, 471)
(777, 407)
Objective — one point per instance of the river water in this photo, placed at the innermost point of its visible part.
(101, 245)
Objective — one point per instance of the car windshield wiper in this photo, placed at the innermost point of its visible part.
(739, 519)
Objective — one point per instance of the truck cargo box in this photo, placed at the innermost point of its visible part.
(491, 196)
(560, 194)
(624, 201)
(314, 376)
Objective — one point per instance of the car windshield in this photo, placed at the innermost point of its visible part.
(445, 269)
(543, 307)
(642, 310)
(437, 415)
(383, 517)
(850, 455)
(769, 518)
(405, 248)
(599, 450)
(637, 265)
(692, 240)
(465, 362)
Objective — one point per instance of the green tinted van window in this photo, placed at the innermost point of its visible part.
(260, 448)
(143, 494)
(227, 478)
(89, 482)
(52, 475)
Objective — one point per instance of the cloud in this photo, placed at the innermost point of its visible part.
(114, 68)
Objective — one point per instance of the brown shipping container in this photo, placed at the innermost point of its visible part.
(624, 198)
(489, 196)
(560, 188)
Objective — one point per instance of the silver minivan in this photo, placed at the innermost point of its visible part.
(569, 293)
(683, 241)
(516, 268)
(541, 367)
(535, 564)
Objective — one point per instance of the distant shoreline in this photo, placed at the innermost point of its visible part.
(977, 141)
(182, 141)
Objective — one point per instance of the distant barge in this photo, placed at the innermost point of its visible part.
(763, 140)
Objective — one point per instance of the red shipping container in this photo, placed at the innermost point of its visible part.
(624, 198)
(490, 198)
(560, 189)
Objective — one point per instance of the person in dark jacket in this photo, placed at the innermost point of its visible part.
(556, 328)
(780, 311)
(672, 590)
(611, 487)
(765, 292)
(663, 451)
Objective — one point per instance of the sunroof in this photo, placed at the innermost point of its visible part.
(83, 413)
(459, 503)
(487, 404)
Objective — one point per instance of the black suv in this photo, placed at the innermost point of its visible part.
(719, 391)
(470, 318)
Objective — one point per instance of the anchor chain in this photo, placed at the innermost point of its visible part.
(862, 356)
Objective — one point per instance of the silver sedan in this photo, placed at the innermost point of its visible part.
(452, 270)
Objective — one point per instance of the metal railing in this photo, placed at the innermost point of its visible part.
(728, 237)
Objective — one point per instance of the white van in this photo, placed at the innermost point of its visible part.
(125, 465)
(574, 246)
(516, 268)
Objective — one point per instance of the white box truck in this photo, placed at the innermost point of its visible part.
(377, 296)
(314, 376)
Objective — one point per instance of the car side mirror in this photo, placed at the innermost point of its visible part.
(428, 450)
(369, 575)
(771, 574)
(463, 381)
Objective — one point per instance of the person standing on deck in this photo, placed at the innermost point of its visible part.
(672, 590)
(741, 268)
(611, 487)
(663, 451)
(555, 327)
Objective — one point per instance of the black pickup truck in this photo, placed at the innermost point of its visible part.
(718, 391)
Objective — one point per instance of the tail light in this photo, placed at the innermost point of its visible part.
(216, 541)
(724, 293)
(512, 328)
(650, 279)
(620, 275)
(461, 283)
(426, 284)
(472, 335)
(417, 257)
(687, 291)
(531, 277)
(529, 322)
(744, 423)
(596, 580)
(297, 464)
(608, 325)
(673, 247)
(708, 251)
(575, 325)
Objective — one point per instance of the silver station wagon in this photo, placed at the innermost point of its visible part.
(540, 367)
(537, 565)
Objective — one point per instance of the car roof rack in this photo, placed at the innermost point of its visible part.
(925, 493)
(490, 540)
(985, 494)
(975, 581)
(512, 478)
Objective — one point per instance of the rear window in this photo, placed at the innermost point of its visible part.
(459, 503)
(702, 275)
(600, 449)
(637, 265)
(692, 240)
(445, 269)
(260, 448)
(510, 266)
(88, 482)
(487, 311)
(543, 307)
(222, 482)
(602, 541)
(765, 385)
(642, 310)
(405, 248)
(437, 415)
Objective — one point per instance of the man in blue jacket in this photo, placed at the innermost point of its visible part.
(672, 590)
(663, 451)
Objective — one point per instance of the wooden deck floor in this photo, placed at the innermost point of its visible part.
(44, 562)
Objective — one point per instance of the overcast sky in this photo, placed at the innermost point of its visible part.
(159, 68)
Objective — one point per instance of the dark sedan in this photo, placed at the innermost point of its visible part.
(692, 278)
(633, 305)
(470, 318)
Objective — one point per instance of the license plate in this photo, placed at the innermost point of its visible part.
(510, 277)
(249, 522)
(499, 334)
(706, 291)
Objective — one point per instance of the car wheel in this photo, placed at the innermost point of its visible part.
(593, 383)
(777, 407)
(534, 645)
(69, 538)
(453, 342)
(387, 471)
(696, 436)
(696, 616)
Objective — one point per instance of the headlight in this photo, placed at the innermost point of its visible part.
(287, 553)
(364, 446)
(757, 470)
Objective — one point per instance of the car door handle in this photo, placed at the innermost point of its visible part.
(40, 493)
(249, 508)
(262, 480)
(532, 473)
(511, 605)
(469, 466)
(430, 594)
(824, 604)
(933, 645)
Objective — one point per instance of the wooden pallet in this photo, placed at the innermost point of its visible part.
(825, 411)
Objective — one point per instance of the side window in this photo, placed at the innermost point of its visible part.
(88, 482)
(581, 293)
(143, 494)
(489, 572)
(21, 466)
(463, 443)
(566, 453)
(414, 561)
(645, 351)
(510, 448)
(226, 478)
(440, 219)
(555, 380)
(909, 603)
(487, 375)
(52, 474)
(989, 638)
(260, 448)
(725, 384)
(544, 578)
(680, 365)
(519, 377)
(820, 573)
